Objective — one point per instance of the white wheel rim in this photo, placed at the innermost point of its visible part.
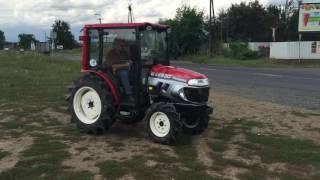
(87, 105)
(159, 124)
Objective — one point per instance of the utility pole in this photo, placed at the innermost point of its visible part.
(99, 17)
(286, 15)
(130, 14)
(211, 23)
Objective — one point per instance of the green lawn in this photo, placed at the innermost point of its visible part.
(32, 83)
(76, 51)
(260, 63)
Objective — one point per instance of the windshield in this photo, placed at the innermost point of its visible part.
(153, 46)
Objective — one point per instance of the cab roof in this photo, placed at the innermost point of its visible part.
(126, 25)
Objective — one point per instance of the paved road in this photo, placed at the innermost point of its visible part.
(288, 86)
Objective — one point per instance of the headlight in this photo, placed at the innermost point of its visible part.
(198, 82)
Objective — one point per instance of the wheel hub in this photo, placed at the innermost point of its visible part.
(91, 104)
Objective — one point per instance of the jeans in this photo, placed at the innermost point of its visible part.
(124, 77)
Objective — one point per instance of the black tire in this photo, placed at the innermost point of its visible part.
(108, 110)
(174, 119)
(194, 124)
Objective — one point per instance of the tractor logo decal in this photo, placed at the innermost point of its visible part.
(166, 76)
(161, 75)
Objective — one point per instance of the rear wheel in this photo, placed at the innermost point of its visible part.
(163, 123)
(194, 124)
(91, 105)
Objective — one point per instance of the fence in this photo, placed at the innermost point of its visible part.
(295, 50)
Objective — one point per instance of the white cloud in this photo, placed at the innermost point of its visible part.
(40, 14)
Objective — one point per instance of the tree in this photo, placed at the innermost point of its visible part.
(187, 31)
(248, 22)
(2, 39)
(25, 40)
(64, 35)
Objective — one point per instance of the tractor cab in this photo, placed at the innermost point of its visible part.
(128, 77)
(140, 45)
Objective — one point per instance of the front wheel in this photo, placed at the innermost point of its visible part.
(194, 124)
(163, 123)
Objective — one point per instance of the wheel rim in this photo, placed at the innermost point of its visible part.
(191, 122)
(159, 124)
(87, 105)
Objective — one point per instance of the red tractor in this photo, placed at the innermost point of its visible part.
(128, 77)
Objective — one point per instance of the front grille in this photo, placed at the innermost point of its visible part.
(199, 95)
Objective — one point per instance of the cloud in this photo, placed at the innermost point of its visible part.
(37, 16)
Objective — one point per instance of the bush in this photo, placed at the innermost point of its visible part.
(264, 51)
(240, 50)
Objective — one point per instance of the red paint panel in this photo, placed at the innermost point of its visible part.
(175, 72)
(85, 49)
(109, 84)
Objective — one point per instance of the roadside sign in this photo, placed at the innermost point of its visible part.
(309, 17)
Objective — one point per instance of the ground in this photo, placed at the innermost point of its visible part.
(246, 138)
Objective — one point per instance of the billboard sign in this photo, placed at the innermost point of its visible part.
(309, 17)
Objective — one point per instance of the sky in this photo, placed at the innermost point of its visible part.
(37, 16)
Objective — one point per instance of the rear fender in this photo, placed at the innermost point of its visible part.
(109, 83)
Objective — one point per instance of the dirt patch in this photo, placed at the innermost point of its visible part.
(233, 172)
(278, 119)
(127, 177)
(92, 150)
(15, 147)
(151, 163)
(203, 151)
(277, 167)
(63, 118)
(8, 119)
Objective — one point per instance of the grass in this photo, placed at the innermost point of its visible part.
(298, 154)
(43, 161)
(287, 150)
(3, 154)
(76, 51)
(165, 167)
(31, 83)
(257, 63)
(34, 80)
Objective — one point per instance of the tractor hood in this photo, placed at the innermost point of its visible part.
(180, 74)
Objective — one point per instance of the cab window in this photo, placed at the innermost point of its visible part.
(93, 47)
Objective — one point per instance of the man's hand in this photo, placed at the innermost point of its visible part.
(117, 67)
